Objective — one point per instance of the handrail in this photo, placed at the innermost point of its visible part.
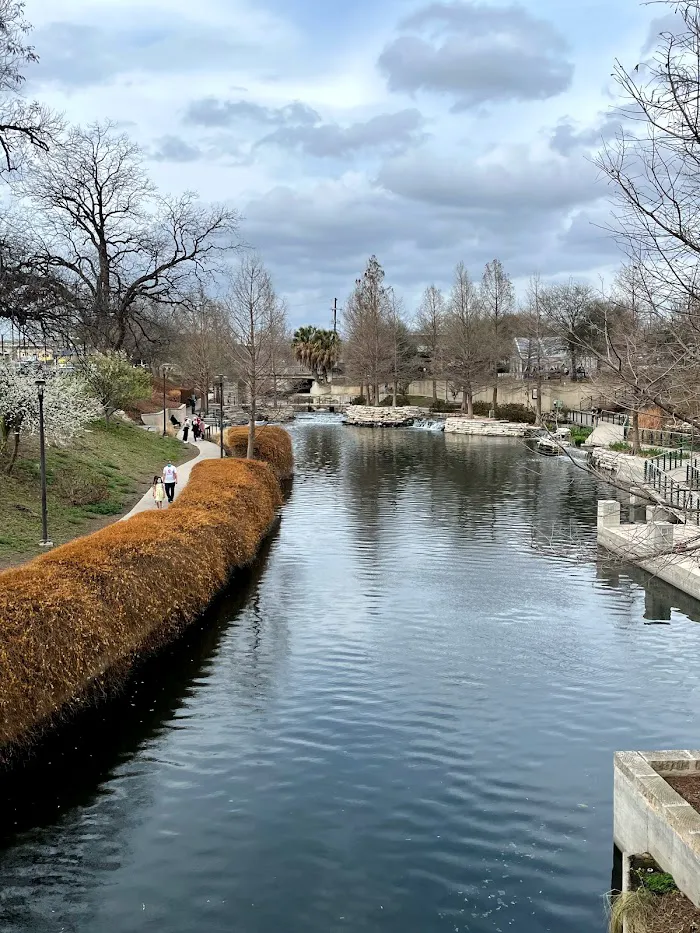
(673, 493)
(670, 459)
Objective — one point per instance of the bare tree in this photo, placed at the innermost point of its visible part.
(430, 322)
(112, 246)
(498, 300)
(368, 331)
(535, 330)
(467, 340)
(404, 354)
(571, 312)
(24, 125)
(200, 348)
(255, 319)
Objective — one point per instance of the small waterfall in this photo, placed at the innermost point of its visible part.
(429, 424)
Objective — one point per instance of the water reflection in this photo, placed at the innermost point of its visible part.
(404, 720)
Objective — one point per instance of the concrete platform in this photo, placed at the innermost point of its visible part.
(650, 816)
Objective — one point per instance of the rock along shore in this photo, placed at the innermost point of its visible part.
(369, 416)
(487, 428)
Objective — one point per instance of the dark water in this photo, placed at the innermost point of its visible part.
(402, 719)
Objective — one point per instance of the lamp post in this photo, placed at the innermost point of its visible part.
(165, 427)
(41, 385)
(221, 416)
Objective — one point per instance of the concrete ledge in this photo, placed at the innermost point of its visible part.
(483, 428)
(650, 816)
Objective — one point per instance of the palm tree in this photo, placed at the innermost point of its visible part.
(318, 349)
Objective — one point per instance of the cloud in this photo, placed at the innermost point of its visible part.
(214, 112)
(298, 126)
(566, 138)
(175, 149)
(477, 54)
(508, 180)
(389, 131)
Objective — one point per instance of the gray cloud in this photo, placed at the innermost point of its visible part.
(477, 54)
(213, 112)
(390, 131)
(520, 184)
(175, 149)
(298, 126)
(75, 55)
(566, 138)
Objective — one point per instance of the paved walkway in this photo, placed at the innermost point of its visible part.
(207, 451)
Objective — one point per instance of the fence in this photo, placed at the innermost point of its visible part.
(670, 459)
(673, 494)
(589, 419)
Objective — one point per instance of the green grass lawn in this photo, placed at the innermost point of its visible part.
(101, 474)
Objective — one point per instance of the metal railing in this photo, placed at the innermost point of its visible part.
(670, 459)
(673, 494)
(590, 419)
(692, 475)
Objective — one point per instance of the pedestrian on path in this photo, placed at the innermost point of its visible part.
(158, 491)
(170, 480)
(186, 430)
(196, 429)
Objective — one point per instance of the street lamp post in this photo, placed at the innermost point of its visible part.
(165, 426)
(221, 416)
(41, 385)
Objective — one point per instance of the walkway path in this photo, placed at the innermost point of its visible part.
(207, 451)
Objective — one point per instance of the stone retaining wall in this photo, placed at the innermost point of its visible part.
(484, 428)
(377, 417)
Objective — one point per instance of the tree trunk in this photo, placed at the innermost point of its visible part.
(15, 451)
(494, 403)
(470, 404)
(362, 391)
(251, 425)
(395, 393)
(538, 400)
(435, 390)
(376, 393)
(634, 433)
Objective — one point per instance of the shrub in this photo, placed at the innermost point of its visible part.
(81, 487)
(657, 882)
(401, 401)
(272, 444)
(481, 408)
(440, 404)
(78, 617)
(510, 412)
(358, 400)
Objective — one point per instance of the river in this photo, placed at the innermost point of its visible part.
(401, 719)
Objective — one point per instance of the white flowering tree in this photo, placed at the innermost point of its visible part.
(68, 407)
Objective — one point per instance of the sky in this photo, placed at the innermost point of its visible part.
(423, 132)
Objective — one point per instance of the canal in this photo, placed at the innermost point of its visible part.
(401, 719)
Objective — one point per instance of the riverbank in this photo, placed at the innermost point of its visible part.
(102, 474)
(74, 621)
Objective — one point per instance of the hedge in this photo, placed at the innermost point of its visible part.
(77, 618)
(512, 411)
(272, 444)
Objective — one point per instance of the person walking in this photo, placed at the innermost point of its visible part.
(158, 491)
(196, 429)
(186, 429)
(170, 480)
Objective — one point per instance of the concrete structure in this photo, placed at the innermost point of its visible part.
(649, 816)
(656, 546)
(481, 427)
(154, 419)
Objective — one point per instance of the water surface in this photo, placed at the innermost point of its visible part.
(402, 719)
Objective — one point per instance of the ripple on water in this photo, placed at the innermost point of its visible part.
(403, 719)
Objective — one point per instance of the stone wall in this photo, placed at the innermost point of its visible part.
(483, 428)
(376, 417)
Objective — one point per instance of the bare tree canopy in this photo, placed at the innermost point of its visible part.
(109, 244)
(468, 346)
(430, 322)
(23, 124)
(255, 320)
(498, 301)
(368, 330)
(653, 163)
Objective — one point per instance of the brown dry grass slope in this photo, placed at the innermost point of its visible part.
(93, 606)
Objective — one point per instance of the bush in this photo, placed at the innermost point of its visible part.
(78, 617)
(401, 401)
(509, 412)
(481, 408)
(81, 487)
(440, 405)
(358, 400)
(657, 882)
(272, 444)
